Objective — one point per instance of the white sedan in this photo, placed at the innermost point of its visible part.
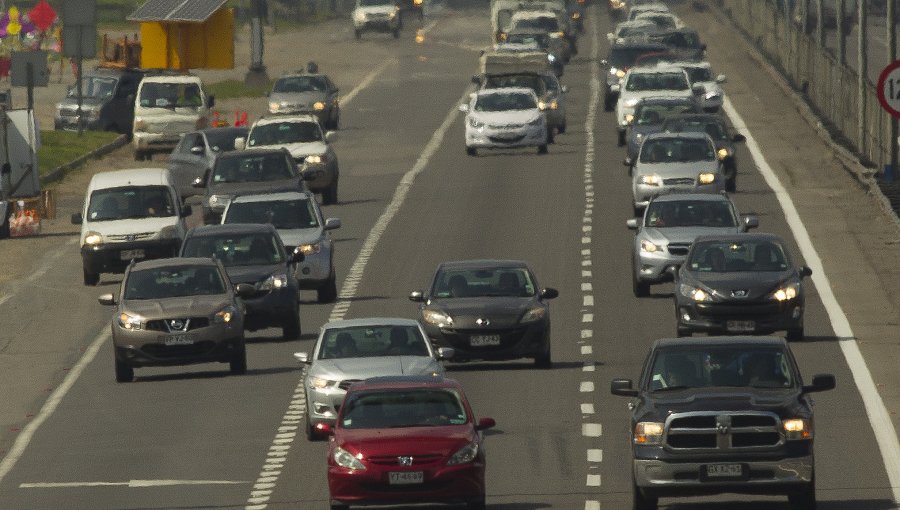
(505, 118)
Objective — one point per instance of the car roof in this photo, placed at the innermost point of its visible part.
(401, 382)
(659, 67)
(173, 262)
(301, 72)
(750, 341)
(223, 129)
(482, 264)
(681, 134)
(170, 78)
(370, 321)
(278, 119)
(253, 151)
(505, 90)
(690, 63)
(665, 99)
(231, 229)
(270, 197)
(737, 238)
(674, 196)
(130, 177)
(708, 117)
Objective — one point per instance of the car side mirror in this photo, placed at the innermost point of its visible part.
(820, 382)
(330, 136)
(750, 221)
(721, 78)
(417, 296)
(197, 150)
(77, 219)
(332, 223)
(549, 293)
(211, 101)
(805, 271)
(302, 357)
(464, 108)
(107, 299)
(615, 88)
(673, 270)
(485, 423)
(307, 176)
(738, 138)
(240, 143)
(631, 223)
(446, 352)
(244, 290)
(628, 162)
(622, 388)
(186, 211)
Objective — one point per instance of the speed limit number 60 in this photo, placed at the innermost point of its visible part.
(889, 88)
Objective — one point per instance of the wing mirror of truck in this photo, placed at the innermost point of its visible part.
(750, 221)
(820, 382)
(332, 223)
(631, 223)
(805, 271)
(549, 293)
(622, 388)
(417, 296)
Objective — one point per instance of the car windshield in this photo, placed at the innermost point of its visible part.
(546, 23)
(236, 249)
(754, 255)
(730, 366)
(698, 74)
(221, 140)
(639, 82)
(373, 3)
(379, 409)
(170, 95)
(676, 39)
(282, 214)
(676, 150)
(493, 282)
(650, 114)
(624, 57)
(130, 202)
(536, 40)
(171, 282)
(500, 81)
(689, 213)
(662, 20)
(297, 84)
(283, 133)
(373, 341)
(95, 87)
(498, 102)
(253, 168)
(714, 128)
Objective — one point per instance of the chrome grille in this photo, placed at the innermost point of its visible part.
(506, 126)
(679, 181)
(172, 325)
(723, 431)
(140, 236)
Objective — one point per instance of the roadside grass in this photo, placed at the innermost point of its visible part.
(60, 147)
(232, 89)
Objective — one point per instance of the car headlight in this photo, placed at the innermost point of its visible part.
(787, 292)
(139, 124)
(535, 314)
(723, 153)
(475, 123)
(225, 315)
(318, 106)
(319, 383)
(631, 103)
(649, 247)
(537, 122)
(316, 158)
(359, 16)
(551, 57)
(437, 318)
(797, 428)
(345, 459)
(648, 432)
(309, 249)
(638, 136)
(93, 238)
(276, 281)
(131, 322)
(694, 293)
(628, 119)
(393, 15)
(619, 73)
(650, 180)
(706, 178)
(464, 455)
(274, 106)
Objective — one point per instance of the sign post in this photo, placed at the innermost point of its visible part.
(889, 97)
(79, 40)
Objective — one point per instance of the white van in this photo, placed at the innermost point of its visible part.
(166, 107)
(129, 215)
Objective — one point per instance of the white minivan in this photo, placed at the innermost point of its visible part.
(168, 106)
(129, 215)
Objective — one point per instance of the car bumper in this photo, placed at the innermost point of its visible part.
(524, 341)
(745, 317)
(442, 484)
(485, 138)
(314, 271)
(270, 308)
(651, 267)
(71, 123)
(323, 404)
(318, 177)
(144, 348)
(644, 192)
(378, 25)
(113, 257)
(776, 476)
(143, 141)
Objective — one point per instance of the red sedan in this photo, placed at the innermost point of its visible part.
(406, 439)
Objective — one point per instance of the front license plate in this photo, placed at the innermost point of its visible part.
(131, 254)
(724, 470)
(740, 326)
(484, 340)
(178, 340)
(405, 477)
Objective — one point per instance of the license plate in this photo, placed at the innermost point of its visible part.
(179, 340)
(405, 477)
(131, 254)
(724, 470)
(740, 326)
(484, 340)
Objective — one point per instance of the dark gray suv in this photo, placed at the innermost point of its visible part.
(107, 101)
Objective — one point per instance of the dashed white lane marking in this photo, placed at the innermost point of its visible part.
(587, 333)
(591, 505)
(882, 426)
(588, 300)
(586, 349)
(591, 429)
(595, 455)
(588, 366)
(593, 480)
(588, 317)
(587, 408)
(130, 484)
(586, 386)
(297, 406)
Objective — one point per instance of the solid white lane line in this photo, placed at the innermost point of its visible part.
(882, 426)
(130, 484)
(366, 81)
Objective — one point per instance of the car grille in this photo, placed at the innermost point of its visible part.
(171, 325)
(140, 236)
(679, 248)
(719, 431)
(178, 351)
(506, 126)
(66, 112)
(679, 181)
(418, 460)
(496, 139)
(345, 384)
(742, 309)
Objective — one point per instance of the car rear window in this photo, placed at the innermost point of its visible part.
(403, 408)
(253, 168)
(282, 214)
(372, 341)
(237, 249)
(170, 282)
(492, 282)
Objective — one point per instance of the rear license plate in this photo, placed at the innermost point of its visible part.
(740, 326)
(131, 254)
(724, 470)
(484, 340)
(179, 340)
(405, 477)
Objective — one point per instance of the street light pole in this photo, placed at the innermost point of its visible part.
(892, 56)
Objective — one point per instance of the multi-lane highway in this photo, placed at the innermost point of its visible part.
(195, 437)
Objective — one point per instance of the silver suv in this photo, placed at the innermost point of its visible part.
(669, 226)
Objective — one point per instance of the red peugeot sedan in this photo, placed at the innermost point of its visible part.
(406, 439)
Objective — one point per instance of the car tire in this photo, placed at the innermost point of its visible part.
(396, 33)
(328, 292)
(91, 279)
(550, 137)
(562, 128)
(642, 501)
(138, 155)
(357, 34)
(339, 506)
(621, 139)
(641, 289)
(477, 504)
(542, 149)
(471, 151)
(544, 360)
(608, 104)
(124, 373)
(291, 328)
(237, 365)
(638, 211)
(4, 226)
(794, 334)
(805, 500)
(310, 432)
(330, 194)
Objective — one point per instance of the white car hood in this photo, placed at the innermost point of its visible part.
(507, 117)
(363, 368)
(129, 226)
(305, 149)
(377, 9)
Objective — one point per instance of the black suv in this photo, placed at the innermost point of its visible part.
(722, 415)
(107, 101)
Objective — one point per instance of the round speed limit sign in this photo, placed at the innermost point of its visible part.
(889, 88)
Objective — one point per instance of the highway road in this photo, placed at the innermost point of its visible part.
(195, 437)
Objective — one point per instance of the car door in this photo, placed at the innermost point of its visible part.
(188, 161)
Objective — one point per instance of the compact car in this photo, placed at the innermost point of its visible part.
(197, 152)
(306, 92)
(376, 16)
(714, 126)
(504, 118)
(646, 81)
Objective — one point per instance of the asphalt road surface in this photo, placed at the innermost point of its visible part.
(195, 437)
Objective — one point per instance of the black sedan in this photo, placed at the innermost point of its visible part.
(740, 284)
(715, 127)
(488, 310)
(650, 115)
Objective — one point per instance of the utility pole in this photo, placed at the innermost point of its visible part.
(892, 56)
(841, 34)
(256, 75)
(862, 70)
(820, 26)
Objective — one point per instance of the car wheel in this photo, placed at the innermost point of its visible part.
(396, 33)
(794, 334)
(339, 506)
(608, 104)
(4, 227)
(641, 289)
(638, 211)
(477, 504)
(731, 183)
(330, 194)
(124, 373)
(562, 128)
(310, 432)
(621, 140)
(291, 329)
(238, 362)
(642, 501)
(471, 151)
(544, 359)
(550, 137)
(542, 149)
(138, 155)
(805, 500)
(358, 34)
(328, 292)
(91, 279)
